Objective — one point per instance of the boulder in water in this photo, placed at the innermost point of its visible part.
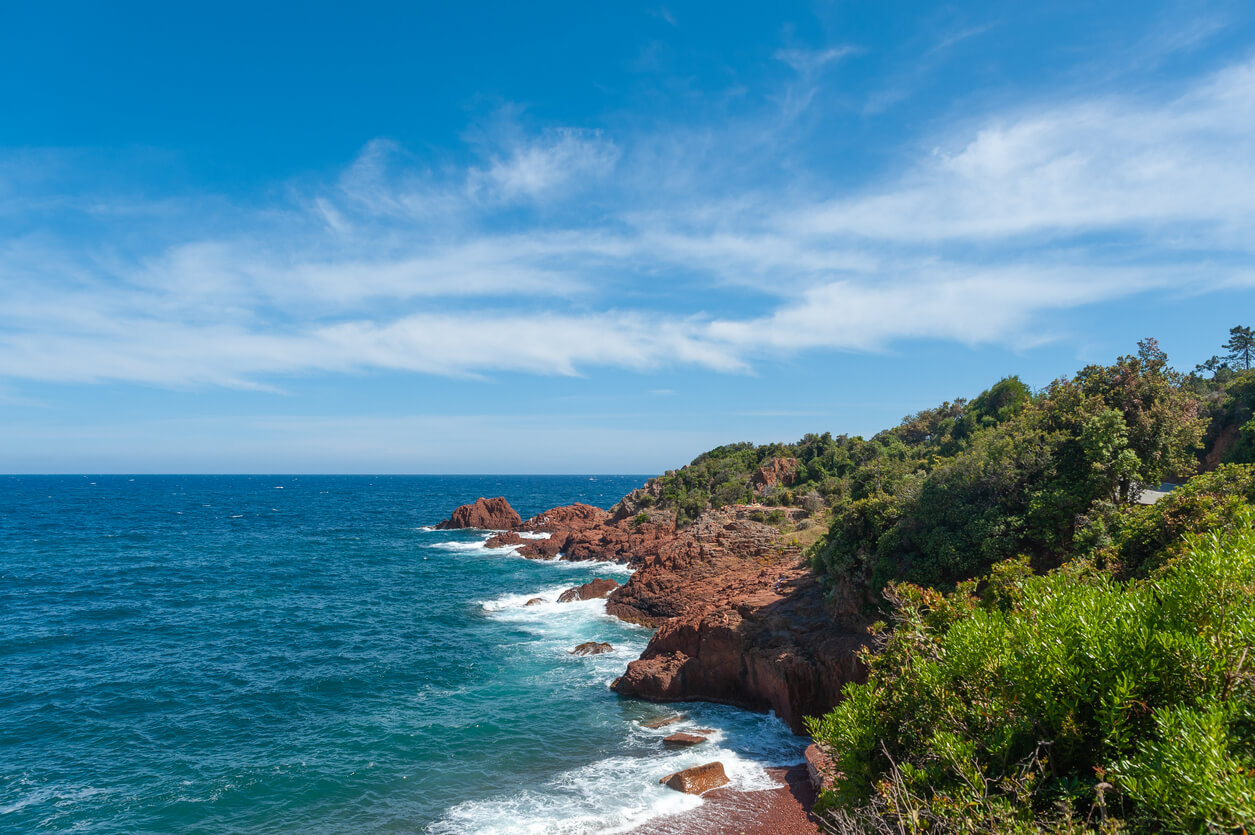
(489, 514)
(682, 740)
(590, 590)
(592, 648)
(698, 779)
(535, 601)
(662, 721)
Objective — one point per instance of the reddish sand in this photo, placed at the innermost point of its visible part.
(782, 811)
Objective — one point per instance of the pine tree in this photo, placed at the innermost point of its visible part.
(1241, 346)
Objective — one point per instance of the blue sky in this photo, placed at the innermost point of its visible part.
(592, 237)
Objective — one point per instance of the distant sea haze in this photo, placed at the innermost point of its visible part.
(280, 653)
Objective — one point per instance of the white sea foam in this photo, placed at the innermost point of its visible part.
(463, 546)
(54, 795)
(510, 601)
(621, 791)
(612, 795)
(459, 546)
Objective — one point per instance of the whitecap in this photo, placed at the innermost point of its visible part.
(613, 795)
(461, 547)
(598, 566)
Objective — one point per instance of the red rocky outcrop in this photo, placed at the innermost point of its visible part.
(698, 779)
(592, 648)
(489, 514)
(740, 617)
(682, 740)
(776, 472)
(591, 590)
(505, 539)
(741, 620)
(573, 516)
(819, 768)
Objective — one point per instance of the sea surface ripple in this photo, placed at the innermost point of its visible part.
(300, 654)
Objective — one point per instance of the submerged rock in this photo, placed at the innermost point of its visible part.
(662, 721)
(698, 779)
(682, 740)
(592, 648)
(535, 601)
(590, 590)
(490, 514)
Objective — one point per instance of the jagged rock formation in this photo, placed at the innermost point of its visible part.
(490, 514)
(775, 472)
(591, 590)
(740, 617)
(592, 648)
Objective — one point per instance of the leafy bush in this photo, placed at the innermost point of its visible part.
(1051, 700)
(953, 490)
(1144, 536)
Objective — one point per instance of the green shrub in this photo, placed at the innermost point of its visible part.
(953, 490)
(1059, 698)
(1145, 535)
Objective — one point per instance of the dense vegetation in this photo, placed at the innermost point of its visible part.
(1059, 657)
(1066, 702)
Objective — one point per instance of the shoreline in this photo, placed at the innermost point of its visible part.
(723, 563)
(781, 811)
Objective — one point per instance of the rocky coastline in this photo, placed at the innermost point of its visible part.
(739, 616)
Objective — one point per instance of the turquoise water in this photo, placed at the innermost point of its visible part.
(299, 654)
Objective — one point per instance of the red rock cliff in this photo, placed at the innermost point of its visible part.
(740, 618)
(491, 514)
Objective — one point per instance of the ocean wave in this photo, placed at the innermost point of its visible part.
(612, 795)
(600, 567)
(464, 547)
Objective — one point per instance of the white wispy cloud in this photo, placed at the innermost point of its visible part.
(1097, 165)
(809, 61)
(534, 169)
(562, 250)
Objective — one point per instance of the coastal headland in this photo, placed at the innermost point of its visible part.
(739, 619)
(739, 616)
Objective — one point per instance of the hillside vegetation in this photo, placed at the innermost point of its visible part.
(1057, 657)
(1067, 702)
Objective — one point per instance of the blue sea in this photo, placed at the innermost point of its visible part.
(228, 654)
